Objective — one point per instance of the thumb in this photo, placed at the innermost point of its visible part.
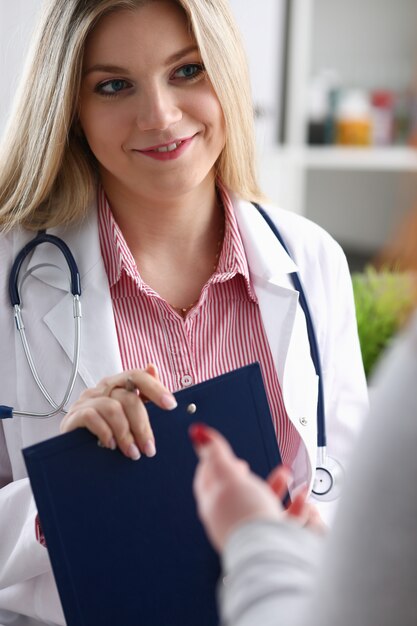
(210, 444)
(217, 461)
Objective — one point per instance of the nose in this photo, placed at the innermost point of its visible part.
(157, 109)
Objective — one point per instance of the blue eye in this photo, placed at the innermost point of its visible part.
(112, 87)
(189, 71)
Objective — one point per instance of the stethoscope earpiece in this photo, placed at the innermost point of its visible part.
(328, 480)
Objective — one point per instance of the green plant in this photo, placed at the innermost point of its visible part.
(383, 301)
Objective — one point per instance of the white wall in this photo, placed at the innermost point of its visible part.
(371, 43)
(261, 23)
(17, 18)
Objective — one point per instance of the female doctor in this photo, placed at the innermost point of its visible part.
(132, 142)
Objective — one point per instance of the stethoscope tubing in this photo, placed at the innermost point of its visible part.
(57, 408)
(43, 237)
(326, 478)
(314, 350)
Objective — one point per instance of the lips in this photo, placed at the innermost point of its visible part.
(167, 151)
(165, 148)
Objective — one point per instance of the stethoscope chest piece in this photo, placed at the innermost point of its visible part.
(328, 480)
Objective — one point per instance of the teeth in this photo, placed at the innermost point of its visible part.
(170, 148)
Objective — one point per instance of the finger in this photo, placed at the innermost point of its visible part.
(92, 420)
(149, 387)
(298, 504)
(216, 458)
(88, 394)
(314, 520)
(278, 480)
(200, 435)
(209, 443)
(152, 389)
(152, 370)
(111, 413)
(137, 416)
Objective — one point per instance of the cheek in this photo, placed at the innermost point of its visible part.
(100, 125)
(206, 107)
(214, 118)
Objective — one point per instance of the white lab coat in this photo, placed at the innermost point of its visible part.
(25, 580)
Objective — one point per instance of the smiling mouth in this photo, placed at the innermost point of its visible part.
(168, 151)
(169, 148)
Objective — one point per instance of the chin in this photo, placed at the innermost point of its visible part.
(181, 184)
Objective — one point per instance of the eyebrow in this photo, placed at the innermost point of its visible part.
(117, 69)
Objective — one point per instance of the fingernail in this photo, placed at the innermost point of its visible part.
(199, 434)
(153, 367)
(133, 452)
(149, 448)
(168, 401)
(112, 443)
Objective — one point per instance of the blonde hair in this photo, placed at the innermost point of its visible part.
(47, 172)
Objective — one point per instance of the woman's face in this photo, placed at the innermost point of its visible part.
(146, 107)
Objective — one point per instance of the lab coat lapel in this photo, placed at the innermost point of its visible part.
(270, 267)
(285, 326)
(100, 355)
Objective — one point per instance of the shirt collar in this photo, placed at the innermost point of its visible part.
(116, 254)
(232, 259)
(118, 258)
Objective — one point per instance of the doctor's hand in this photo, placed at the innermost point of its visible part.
(115, 411)
(229, 494)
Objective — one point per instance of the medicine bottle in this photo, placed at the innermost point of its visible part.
(353, 120)
(382, 102)
(317, 111)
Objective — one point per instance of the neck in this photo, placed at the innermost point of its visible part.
(175, 243)
(183, 220)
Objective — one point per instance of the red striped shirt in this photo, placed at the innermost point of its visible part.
(223, 331)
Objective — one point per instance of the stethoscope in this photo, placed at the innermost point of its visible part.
(42, 237)
(329, 473)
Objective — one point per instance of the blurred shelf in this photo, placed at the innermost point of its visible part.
(386, 159)
(394, 159)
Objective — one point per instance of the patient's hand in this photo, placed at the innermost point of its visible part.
(228, 493)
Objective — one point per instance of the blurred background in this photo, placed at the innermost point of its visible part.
(334, 83)
(334, 86)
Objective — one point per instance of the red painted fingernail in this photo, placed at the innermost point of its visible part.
(199, 434)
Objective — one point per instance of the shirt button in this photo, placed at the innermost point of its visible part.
(186, 380)
(303, 421)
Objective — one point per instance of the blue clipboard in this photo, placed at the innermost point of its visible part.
(124, 539)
